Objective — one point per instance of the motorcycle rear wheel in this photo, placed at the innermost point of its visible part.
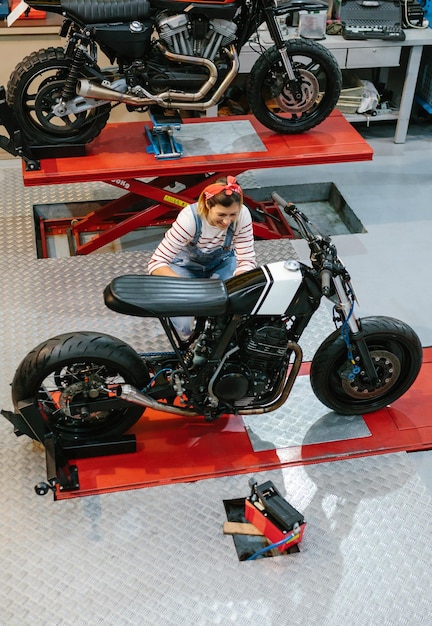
(35, 86)
(273, 102)
(66, 374)
(397, 355)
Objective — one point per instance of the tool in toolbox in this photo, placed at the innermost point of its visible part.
(163, 143)
(276, 518)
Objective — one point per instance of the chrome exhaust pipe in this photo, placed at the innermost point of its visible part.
(169, 99)
(87, 89)
(132, 394)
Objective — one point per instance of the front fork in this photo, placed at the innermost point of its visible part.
(354, 331)
(276, 34)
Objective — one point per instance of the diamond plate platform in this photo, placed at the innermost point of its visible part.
(302, 420)
(146, 557)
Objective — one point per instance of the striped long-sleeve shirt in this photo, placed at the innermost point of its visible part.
(183, 230)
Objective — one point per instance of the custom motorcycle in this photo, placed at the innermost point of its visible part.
(243, 356)
(169, 56)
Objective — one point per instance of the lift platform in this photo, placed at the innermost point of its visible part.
(211, 147)
(164, 449)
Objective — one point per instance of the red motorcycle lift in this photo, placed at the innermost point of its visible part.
(119, 157)
(165, 449)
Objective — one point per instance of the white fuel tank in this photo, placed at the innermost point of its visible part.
(283, 279)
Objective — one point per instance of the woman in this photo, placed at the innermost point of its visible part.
(210, 239)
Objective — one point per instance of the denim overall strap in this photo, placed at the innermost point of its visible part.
(229, 236)
(198, 228)
(198, 225)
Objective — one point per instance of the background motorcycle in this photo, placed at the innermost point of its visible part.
(169, 54)
(242, 358)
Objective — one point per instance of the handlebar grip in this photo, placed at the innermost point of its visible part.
(325, 282)
(280, 201)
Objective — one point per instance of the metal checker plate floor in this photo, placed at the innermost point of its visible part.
(158, 556)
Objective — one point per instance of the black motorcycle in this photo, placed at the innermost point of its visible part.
(172, 56)
(242, 358)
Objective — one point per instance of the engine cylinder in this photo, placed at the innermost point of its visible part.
(195, 36)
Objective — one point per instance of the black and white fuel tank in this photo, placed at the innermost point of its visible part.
(267, 290)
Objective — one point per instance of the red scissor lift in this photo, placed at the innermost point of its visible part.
(119, 157)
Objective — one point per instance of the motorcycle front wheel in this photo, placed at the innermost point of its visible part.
(71, 378)
(271, 96)
(396, 352)
(35, 87)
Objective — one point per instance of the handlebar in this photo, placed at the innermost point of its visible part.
(300, 218)
(280, 201)
(320, 246)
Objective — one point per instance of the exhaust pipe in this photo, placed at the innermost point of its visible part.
(169, 99)
(87, 89)
(285, 386)
(132, 394)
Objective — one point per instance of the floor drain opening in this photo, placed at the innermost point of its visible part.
(323, 203)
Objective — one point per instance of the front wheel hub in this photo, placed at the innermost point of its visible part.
(300, 99)
(387, 367)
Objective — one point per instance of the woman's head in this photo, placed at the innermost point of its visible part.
(220, 202)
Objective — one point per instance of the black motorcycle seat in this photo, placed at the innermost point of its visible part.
(163, 296)
(97, 11)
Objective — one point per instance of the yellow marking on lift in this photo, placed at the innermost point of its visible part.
(175, 201)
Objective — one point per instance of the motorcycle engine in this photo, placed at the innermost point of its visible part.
(257, 367)
(195, 35)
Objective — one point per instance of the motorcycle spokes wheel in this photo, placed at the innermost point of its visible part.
(33, 90)
(287, 107)
(396, 354)
(74, 379)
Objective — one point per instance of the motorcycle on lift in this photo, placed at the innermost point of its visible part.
(169, 55)
(242, 358)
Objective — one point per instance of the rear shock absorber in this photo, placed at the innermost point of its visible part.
(79, 58)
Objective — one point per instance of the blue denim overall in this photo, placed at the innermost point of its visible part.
(192, 263)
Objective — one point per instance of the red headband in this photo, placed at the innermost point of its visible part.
(231, 187)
